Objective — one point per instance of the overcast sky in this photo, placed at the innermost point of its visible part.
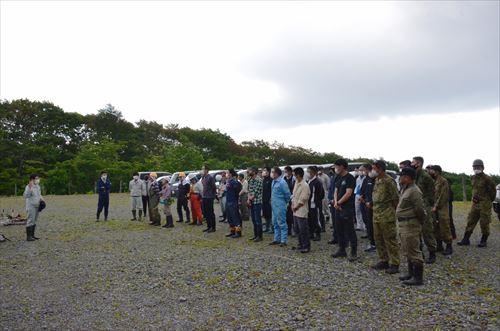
(372, 79)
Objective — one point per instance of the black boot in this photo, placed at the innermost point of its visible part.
(169, 223)
(409, 275)
(418, 275)
(340, 253)
(381, 265)
(484, 239)
(448, 250)
(465, 241)
(140, 215)
(439, 246)
(354, 254)
(134, 214)
(432, 258)
(393, 269)
(29, 237)
(33, 228)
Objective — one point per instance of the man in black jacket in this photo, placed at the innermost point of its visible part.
(367, 205)
(290, 181)
(315, 203)
(182, 198)
(267, 182)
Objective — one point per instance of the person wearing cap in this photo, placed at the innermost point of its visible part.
(182, 198)
(440, 211)
(33, 195)
(385, 199)
(300, 208)
(345, 208)
(426, 184)
(209, 193)
(315, 203)
(255, 202)
(136, 187)
(483, 195)
(195, 192)
(280, 198)
(233, 188)
(103, 188)
(243, 197)
(165, 201)
(154, 200)
(411, 215)
(267, 210)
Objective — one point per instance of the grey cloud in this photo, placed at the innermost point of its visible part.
(446, 58)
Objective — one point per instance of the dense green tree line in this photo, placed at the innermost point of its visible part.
(69, 149)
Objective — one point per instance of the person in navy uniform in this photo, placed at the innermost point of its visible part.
(103, 188)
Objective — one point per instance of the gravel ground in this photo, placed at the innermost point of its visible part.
(124, 275)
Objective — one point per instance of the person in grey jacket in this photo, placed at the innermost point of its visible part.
(137, 189)
(33, 196)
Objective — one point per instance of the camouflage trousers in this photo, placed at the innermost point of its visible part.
(386, 241)
(442, 229)
(410, 232)
(428, 231)
(479, 212)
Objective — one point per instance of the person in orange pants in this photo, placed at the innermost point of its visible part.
(195, 199)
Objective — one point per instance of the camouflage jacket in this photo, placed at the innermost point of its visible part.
(483, 187)
(442, 192)
(385, 197)
(425, 183)
(411, 203)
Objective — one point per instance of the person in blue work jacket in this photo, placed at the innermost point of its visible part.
(280, 197)
(103, 188)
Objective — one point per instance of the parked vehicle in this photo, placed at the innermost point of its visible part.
(143, 174)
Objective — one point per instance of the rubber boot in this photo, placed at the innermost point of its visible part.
(418, 275)
(134, 215)
(448, 250)
(393, 269)
(439, 246)
(340, 253)
(29, 237)
(408, 275)
(354, 254)
(381, 265)
(140, 215)
(432, 258)
(466, 239)
(484, 239)
(33, 228)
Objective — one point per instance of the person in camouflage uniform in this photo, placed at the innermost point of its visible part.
(483, 194)
(440, 211)
(385, 199)
(426, 185)
(411, 215)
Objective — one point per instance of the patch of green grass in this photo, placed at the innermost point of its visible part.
(125, 225)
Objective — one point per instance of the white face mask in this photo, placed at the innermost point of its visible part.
(136, 177)
(37, 181)
(477, 171)
(337, 171)
(104, 178)
(373, 174)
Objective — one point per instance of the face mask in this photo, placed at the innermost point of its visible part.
(373, 174)
(104, 178)
(136, 177)
(477, 171)
(37, 181)
(337, 171)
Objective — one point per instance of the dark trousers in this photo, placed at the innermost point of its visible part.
(103, 204)
(345, 229)
(368, 219)
(321, 218)
(145, 201)
(233, 214)
(314, 222)
(183, 204)
(208, 212)
(301, 227)
(335, 235)
(256, 214)
(289, 219)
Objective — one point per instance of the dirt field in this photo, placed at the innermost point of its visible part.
(124, 275)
